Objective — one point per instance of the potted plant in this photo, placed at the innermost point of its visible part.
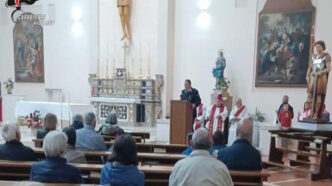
(224, 84)
(9, 85)
(258, 117)
(34, 122)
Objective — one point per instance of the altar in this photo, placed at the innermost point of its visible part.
(63, 111)
(134, 100)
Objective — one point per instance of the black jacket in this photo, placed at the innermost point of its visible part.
(16, 151)
(41, 133)
(192, 96)
(241, 155)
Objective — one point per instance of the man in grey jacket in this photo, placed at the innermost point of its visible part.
(200, 168)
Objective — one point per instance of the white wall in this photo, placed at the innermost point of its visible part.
(144, 42)
(67, 59)
(234, 30)
(149, 24)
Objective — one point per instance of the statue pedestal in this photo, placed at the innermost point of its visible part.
(227, 100)
(313, 126)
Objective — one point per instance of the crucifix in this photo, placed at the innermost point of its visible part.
(125, 47)
(124, 11)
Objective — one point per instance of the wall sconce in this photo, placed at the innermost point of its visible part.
(203, 4)
(203, 19)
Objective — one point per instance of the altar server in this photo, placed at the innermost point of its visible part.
(216, 116)
(238, 113)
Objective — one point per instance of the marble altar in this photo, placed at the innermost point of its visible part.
(63, 111)
(134, 100)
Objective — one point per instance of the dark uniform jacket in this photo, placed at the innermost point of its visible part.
(193, 97)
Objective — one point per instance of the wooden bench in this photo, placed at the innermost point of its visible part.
(142, 135)
(248, 178)
(144, 158)
(302, 152)
(12, 183)
(138, 139)
(157, 147)
(15, 170)
(154, 175)
(141, 147)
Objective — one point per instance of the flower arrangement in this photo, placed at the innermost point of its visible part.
(258, 116)
(33, 120)
(224, 84)
(9, 84)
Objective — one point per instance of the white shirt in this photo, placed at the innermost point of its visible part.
(200, 168)
(202, 117)
(215, 117)
(242, 115)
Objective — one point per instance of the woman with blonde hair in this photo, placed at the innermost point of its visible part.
(50, 122)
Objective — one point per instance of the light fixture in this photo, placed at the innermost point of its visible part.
(203, 19)
(76, 13)
(203, 4)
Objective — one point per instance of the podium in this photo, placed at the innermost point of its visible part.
(181, 121)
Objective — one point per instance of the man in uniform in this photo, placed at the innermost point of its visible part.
(192, 95)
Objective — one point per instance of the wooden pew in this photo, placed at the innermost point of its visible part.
(302, 153)
(157, 147)
(15, 170)
(154, 175)
(141, 147)
(143, 135)
(138, 139)
(144, 158)
(12, 183)
(248, 178)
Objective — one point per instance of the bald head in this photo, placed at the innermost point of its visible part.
(238, 102)
(244, 129)
(201, 139)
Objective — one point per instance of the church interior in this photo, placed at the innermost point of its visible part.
(184, 92)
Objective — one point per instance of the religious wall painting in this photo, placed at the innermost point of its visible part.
(283, 48)
(28, 49)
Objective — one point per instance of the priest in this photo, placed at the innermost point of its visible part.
(199, 121)
(238, 113)
(216, 116)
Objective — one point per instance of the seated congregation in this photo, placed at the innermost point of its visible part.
(207, 163)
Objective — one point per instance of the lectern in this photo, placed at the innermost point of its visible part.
(181, 121)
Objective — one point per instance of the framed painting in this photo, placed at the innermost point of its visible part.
(284, 47)
(28, 49)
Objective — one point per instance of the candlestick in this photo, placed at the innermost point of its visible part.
(149, 74)
(107, 74)
(132, 69)
(98, 68)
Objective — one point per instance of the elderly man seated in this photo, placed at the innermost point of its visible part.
(55, 168)
(242, 155)
(13, 149)
(87, 138)
(200, 168)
